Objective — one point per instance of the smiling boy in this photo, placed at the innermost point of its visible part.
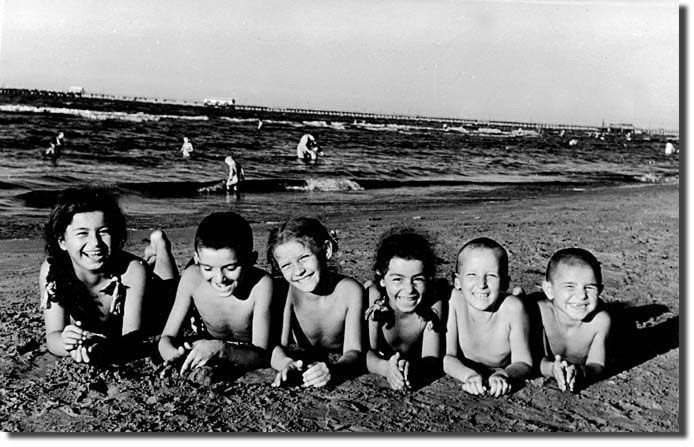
(231, 295)
(487, 339)
(575, 325)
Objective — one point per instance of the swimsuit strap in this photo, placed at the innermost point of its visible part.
(116, 289)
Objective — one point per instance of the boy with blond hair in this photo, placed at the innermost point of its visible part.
(487, 340)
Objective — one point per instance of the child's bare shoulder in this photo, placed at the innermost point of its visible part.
(190, 278)
(601, 319)
(350, 290)
(131, 267)
(261, 284)
(512, 308)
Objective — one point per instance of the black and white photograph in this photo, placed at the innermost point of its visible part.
(328, 217)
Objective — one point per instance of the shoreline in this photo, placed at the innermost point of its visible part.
(633, 231)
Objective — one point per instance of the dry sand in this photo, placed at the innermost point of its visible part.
(634, 232)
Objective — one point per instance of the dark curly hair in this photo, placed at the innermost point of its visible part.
(404, 243)
(70, 292)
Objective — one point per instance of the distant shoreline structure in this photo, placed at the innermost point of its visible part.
(77, 97)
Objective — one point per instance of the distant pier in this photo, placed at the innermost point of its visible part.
(77, 98)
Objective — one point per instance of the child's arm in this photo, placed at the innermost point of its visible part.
(349, 362)
(519, 340)
(472, 380)
(135, 281)
(256, 355)
(279, 359)
(430, 363)
(597, 355)
(387, 368)
(169, 349)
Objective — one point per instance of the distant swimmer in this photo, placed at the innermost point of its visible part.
(308, 148)
(59, 139)
(187, 147)
(236, 174)
(260, 124)
(670, 148)
(573, 142)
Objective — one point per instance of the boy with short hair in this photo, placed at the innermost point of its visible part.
(487, 340)
(230, 294)
(575, 324)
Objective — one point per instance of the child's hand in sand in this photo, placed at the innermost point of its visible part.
(72, 336)
(474, 385)
(397, 378)
(499, 384)
(201, 351)
(285, 374)
(170, 353)
(316, 375)
(571, 375)
(559, 370)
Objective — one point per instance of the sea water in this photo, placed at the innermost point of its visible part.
(379, 166)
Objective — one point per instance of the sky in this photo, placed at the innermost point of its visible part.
(564, 62)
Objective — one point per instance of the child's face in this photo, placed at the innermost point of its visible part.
(221, 268)
(300, 266)
(87, 240)
(405, 283)
(574, 290)
(479, 277)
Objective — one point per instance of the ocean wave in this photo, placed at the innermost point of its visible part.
(328, 184)
(97, 115)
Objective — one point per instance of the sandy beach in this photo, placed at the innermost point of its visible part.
(633, 231)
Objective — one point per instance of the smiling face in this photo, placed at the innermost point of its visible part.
(480, 277)
(300, 266)
(405, 283)
(87, 241)
(574, 290)
(220, 268)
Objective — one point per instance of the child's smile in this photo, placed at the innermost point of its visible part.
(479, 277)
(87, 240)
(405, 283)
(574, 290)
(299, 265)
(220, 268)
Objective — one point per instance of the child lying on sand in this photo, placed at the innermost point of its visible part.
(230, 294)
(487, 342)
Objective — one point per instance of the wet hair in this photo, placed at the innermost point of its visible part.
(69, 291)
(225, 229)
(306, 230)
(573, 256)
(491, 244)
(404, 243)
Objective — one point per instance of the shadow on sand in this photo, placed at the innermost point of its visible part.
(640, 334)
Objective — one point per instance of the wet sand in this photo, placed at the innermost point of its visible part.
(633, 231)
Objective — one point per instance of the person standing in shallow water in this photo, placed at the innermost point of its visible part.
(236, 175)
(186, 148)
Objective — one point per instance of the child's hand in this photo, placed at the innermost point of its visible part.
(283, 376)
(474, 385)
(72, 336)
(316, 375)
(499, 384)
(170, 353)
(80, 354)
(201, 352)
(398, 370)
(559, 372)
(571, 374)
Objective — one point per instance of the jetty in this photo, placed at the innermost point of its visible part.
(77, 97)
